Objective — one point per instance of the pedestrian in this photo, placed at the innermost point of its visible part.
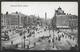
(27, 46)
(34, 44)
(11, 42)
(73, 38)
(16, 45)
(28, 30)
(62, 35)
(70, 37)
(52, 40)
(59, 38)
(49, 41)
(21, 34)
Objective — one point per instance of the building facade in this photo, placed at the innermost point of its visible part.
(12, 20)
(73, 21)
(18, 19)
(61, 20)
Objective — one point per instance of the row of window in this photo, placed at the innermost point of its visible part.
(73, 17)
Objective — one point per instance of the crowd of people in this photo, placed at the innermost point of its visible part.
(28, 37)
(28, 33)
(66, 39)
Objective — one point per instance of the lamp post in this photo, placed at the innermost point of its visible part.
(25, 27)
(53, 23)
(24, 31)
(24, 40)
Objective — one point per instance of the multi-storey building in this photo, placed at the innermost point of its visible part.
(73, 21)
(61, 20)
(12, 20)
(18, 19)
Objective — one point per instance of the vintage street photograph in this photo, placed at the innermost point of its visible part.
(39, 25)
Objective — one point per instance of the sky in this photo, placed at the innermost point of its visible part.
(39, 8)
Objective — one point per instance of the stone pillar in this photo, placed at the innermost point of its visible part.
(19, 20)
(45, 17)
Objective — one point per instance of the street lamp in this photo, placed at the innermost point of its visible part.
(53, 22)
(24, 39)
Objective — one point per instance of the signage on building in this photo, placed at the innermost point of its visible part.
(62, 21)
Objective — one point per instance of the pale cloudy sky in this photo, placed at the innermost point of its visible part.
(39, 8)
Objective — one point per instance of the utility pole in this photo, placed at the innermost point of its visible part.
(25, 27)
(54, 26)
(24, 40)
(24, 32)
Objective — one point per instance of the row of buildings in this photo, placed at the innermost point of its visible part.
(18, 19)
(60, 20)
